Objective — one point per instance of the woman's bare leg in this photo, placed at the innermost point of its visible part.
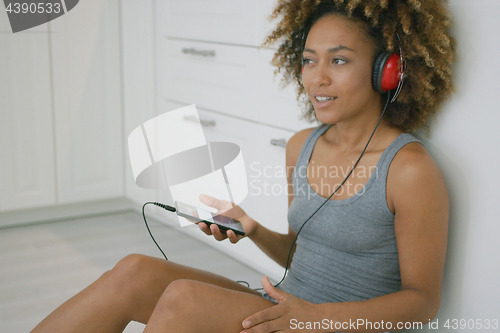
(130, 291)
(193, 306)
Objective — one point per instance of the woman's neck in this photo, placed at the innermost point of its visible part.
(353, 136)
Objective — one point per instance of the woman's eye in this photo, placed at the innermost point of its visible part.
(306, 61)
(336, 61)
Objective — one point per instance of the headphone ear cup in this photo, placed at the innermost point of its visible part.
(378, 71)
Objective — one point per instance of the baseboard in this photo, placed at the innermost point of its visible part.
(64, 212)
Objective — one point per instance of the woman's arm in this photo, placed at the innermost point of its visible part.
(275, 245)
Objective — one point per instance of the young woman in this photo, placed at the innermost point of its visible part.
(375, 252)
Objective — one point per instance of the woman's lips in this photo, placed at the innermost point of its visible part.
(323, 103)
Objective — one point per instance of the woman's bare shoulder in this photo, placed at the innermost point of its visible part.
(413, 158)
(413, 168)
(294, 145)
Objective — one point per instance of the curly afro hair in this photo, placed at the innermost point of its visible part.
(418, 27)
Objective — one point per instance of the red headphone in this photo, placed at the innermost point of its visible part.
(388, 72)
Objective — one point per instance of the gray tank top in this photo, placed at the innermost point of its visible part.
(348, 250)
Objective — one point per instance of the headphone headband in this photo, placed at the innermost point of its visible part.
(402, 64)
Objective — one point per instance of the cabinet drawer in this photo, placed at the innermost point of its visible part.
(235, 80)
(219, 80)
(226, 21)
(274, 105)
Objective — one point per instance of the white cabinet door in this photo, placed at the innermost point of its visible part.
(266, 201)
(138, 46)
(85, 46)
(238, 22)
(26, 131)
(226, 21)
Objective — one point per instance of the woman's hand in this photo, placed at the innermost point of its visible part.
(290, 314)
(231, 210)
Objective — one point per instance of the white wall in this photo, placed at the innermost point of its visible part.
(464, 142)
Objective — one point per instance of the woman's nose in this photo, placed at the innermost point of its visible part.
(321, 76)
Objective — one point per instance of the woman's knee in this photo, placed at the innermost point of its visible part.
(182, 295)
(128, 268)
(132, 264)
(178, 307)
(130, 273)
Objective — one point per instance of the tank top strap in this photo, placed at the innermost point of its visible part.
(308, 147)
(389, 154)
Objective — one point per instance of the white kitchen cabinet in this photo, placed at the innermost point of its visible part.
(61, 116)
(220, 80)
(223, 21)
(274, 105)
(266, 201)
(232, 79)
(208, 55)
(138, 47)
(27, 175)
(264, 162)
(85, 49)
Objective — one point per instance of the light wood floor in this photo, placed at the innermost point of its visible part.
(43, 265)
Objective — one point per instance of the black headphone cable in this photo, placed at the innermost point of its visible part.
(172, 209)
(328, 199)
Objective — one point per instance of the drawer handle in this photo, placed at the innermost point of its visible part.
(205, 53)
(203, 122)
(278, 142)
